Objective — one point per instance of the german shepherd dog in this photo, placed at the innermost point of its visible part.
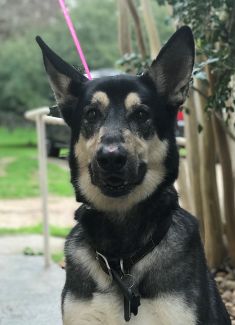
(135, 255)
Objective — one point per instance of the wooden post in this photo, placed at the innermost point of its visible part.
(42, 158)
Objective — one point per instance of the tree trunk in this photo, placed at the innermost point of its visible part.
(193, 160)
(211, 212)
(138, 30)
(228, 188)
(227, 172)
(124, 37)
(183, 185)
(153, 36)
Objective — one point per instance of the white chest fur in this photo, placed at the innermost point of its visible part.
(107, 309)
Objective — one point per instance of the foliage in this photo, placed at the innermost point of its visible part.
(23, 81)
(133, 62)
(213, 25)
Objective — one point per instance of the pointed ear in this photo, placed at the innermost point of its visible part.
(171, 71)
(64, 79)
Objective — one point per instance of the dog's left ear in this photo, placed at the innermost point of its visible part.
(171, 71)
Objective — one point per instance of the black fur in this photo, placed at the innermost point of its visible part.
(179, 264)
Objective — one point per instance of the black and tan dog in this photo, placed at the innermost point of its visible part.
(135, 254)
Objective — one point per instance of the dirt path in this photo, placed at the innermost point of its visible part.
(26, 212)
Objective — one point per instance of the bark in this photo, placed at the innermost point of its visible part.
(193, 160)
(211, 211)
(153, 36)
(124, 37)
(138, 30)
(228, 188)
(227, 172)
(183, 186)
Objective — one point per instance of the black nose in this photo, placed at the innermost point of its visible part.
(111, 157)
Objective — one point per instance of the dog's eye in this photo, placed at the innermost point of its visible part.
(92, 115)
(141, 115)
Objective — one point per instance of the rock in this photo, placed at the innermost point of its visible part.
(232, 311)
(229, 284)
(227, 295)
(219, 279)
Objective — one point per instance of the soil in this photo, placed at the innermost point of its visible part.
(27, 212)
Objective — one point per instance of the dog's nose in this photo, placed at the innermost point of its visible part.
(111, 157)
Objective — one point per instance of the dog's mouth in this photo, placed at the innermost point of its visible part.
(116, 185)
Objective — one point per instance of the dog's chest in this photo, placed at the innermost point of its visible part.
(107, 309)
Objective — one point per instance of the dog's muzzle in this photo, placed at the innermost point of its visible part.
(114, 171)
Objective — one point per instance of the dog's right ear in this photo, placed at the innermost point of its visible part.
(64, 79)
(171, 71)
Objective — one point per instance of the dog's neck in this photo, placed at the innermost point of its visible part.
(118, 237)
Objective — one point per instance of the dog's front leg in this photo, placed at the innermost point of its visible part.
(102, 309)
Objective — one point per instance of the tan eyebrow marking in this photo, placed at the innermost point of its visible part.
(101, 98)
(132, 99)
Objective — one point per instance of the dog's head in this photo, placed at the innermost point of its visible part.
(123, 145)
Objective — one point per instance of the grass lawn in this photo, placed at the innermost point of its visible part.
(18, 137)
(37, 229)
(19, 167)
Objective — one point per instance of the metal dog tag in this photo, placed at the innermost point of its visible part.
(131, 303)
(127, 309)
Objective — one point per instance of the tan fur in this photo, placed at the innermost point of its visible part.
(152, 151)
(87, 258)
(132, 99)
(107, 309)
(101, 98)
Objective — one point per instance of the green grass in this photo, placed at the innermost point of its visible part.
(20, 178)
(18, 137)
(183, 152)
(37, 229)
(57, 257)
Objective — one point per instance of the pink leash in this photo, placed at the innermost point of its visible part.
(75, 38)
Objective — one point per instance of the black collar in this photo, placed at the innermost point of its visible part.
(123, 264)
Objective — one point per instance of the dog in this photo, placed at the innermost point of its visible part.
(135, 255)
